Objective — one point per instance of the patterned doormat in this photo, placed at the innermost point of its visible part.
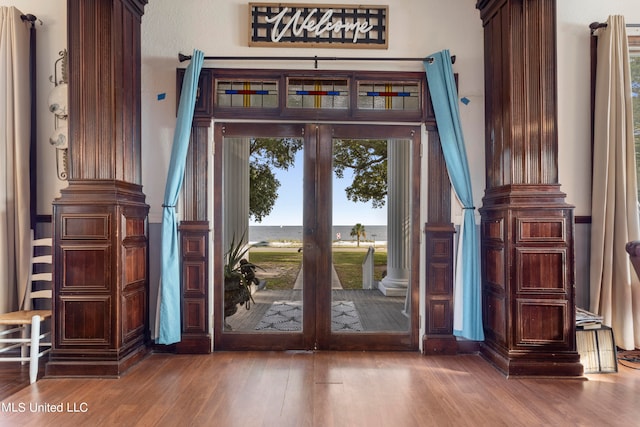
(286, 316)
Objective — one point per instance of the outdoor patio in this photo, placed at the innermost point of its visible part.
(375, 311)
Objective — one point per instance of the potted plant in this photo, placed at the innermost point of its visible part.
(238, 276)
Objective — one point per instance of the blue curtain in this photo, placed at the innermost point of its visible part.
(444, 96)
(169, 328)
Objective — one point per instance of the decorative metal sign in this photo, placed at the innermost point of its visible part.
(313, 25)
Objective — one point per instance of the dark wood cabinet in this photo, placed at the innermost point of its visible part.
(528, 283)
(101, 279)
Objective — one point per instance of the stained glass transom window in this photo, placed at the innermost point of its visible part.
(403, 96)
(247, 94)
(318, 93)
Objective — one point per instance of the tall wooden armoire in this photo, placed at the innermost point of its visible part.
(527, 227)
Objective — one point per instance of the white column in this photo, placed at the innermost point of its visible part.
(396, 281)
(236, 189)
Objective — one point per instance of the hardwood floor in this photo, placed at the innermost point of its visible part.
(14, 377)
(324, 389)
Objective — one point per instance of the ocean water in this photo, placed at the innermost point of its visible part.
(266, 233)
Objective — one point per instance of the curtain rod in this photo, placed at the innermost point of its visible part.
(31, 19)
(596, 25)
(315, 59)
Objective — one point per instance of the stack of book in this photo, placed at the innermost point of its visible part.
(587, 320)
(595, 343)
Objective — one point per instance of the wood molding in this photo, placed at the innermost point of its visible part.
(44, 219)
(583, 219)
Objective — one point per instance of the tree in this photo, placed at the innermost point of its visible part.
(264, 190)
(368, 160)
(266, 154)
(358, 231)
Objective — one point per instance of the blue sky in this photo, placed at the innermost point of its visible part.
(288, 207)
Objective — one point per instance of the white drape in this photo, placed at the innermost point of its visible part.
(15, 126)
(615, 290)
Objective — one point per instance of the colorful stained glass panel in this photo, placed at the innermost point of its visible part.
(318, 94)
(404, 96)
(247, 94)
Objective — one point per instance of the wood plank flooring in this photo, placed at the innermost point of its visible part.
(325, 389)
(14, 377)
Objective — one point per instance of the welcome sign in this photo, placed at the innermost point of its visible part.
(313, 25)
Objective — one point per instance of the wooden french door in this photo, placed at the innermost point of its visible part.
(325, 303)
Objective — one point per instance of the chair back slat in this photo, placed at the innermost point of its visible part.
(42, 259)
(38, 263)
(47, 241)
(45, 293)
(41, 277)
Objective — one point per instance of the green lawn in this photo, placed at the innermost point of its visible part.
(280, 268)
(348, 265)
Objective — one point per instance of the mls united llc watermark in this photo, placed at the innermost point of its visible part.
(43, 407)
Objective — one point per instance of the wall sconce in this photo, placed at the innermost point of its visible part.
(58, 102)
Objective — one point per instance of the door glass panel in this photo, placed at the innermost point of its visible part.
(371, 235)
(263, 194)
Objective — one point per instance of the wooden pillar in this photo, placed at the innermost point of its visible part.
(527, 228)
(439, 232)
(100, 306)
(194, 237)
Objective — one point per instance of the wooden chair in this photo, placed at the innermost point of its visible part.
(25, 325)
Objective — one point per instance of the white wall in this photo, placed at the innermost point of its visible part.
(51, 39)
(416, 29)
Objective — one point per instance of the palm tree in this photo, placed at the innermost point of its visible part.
(358, 231)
